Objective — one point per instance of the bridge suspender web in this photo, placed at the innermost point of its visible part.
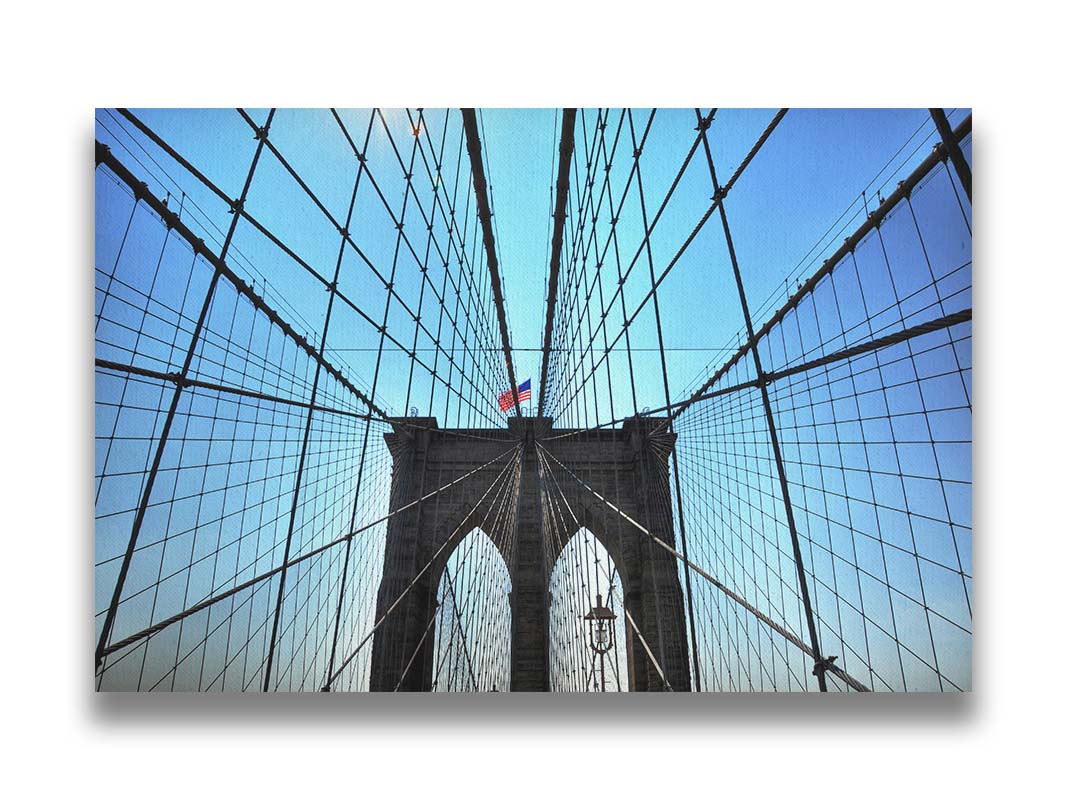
(272, 417)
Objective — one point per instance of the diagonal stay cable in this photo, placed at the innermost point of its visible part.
(515, 465)
(648, 650)
(903, 190)
(238, 209)
(207, 603)
(418, 648)
(785, 632)
(459, 626)
(577, 522)
(716, 202)
(903, 335)
(105, 157)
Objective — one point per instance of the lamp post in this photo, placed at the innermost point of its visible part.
(601, 633)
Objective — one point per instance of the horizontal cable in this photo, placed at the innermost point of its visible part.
(177, 379)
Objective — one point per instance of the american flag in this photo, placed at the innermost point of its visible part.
(507, 400)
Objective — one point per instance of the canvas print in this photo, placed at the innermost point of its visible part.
(533, 400)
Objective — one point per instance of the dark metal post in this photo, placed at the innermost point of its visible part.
(772, 431)
(332, 288)
(953, 146)
(135, 531)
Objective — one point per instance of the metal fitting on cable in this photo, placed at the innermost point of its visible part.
(822, 665)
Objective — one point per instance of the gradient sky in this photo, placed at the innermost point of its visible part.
(809, 173)
(788, 212)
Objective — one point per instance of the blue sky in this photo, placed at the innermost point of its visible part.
(809, 173)
(791, 208)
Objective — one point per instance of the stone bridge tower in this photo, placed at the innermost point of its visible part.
(627, 466)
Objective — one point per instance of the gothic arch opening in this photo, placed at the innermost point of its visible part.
(472, 630)
(587, 655)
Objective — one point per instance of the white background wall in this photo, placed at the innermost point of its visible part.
(58, 63)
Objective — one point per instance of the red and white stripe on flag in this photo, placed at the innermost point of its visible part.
(507, 398)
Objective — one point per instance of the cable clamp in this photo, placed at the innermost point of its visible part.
(822, 665)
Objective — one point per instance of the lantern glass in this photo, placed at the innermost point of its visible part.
(601, 633)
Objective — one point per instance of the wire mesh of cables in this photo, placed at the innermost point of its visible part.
(258, 327)
(249, 354)
(822, 466)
